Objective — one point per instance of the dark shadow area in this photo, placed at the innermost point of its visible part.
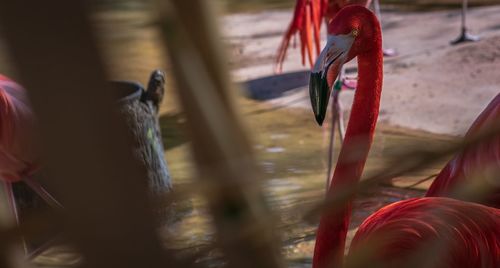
(391, 25)
(172, 130)
(275, 86)
(494, 27)
(278, 107)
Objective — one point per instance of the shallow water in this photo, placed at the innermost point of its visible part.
(294, 178)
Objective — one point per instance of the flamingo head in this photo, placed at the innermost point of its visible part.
(351, 33)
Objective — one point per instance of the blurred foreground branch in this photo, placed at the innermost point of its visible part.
(245, 232)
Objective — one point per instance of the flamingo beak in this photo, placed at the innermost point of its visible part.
(327, 67)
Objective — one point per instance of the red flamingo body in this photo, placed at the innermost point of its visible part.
(355, 32)
(448, 232)
(307, 19)
(463, 166)
(18, 158)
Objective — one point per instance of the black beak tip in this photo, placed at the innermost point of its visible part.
(319, 93)
(320, 119)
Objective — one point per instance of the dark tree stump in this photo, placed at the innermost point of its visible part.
(140, 110)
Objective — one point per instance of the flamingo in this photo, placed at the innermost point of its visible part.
(464, 35)
(18, 157)
(461, 168)
(307, 18)
(468, 232)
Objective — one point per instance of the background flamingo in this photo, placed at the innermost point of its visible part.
(464, 35)
(462, 168)
(307, 19)
(18, 156)
(469, 232)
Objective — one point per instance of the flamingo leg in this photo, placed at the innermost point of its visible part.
(388, 52)
(331, 141)
(12, 200)
(42, 192)
(13, 207)
(340, 112)
(464, 35)
(46, 196)
(337, 117)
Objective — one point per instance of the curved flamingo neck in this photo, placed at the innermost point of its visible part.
(332, 231)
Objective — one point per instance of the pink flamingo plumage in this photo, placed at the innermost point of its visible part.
(463, 166)
(307, 19)
(18, 157)
(469, 232)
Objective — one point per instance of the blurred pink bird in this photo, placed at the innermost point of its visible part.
(463, 165)
(307, 18)
(18, 156)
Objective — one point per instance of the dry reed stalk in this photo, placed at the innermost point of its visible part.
(244, 229)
